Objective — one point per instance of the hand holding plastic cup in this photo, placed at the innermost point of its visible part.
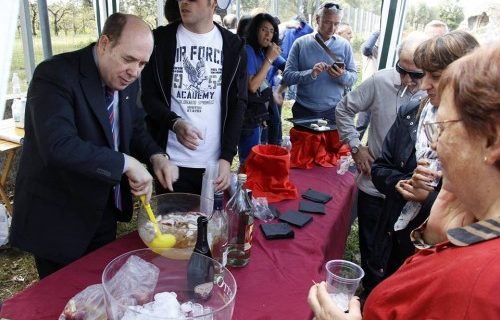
(435, 164)
(342, 280)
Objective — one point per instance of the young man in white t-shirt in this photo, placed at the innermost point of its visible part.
(194, 92)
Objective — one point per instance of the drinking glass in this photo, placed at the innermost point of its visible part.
(342, 280)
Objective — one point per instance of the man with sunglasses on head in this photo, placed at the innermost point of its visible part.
(194, 90)
(382, 94)
(321, 64)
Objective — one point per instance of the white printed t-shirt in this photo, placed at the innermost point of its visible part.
(196, 95)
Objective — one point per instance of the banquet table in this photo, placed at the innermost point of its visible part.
(10, 137)
(274, 285)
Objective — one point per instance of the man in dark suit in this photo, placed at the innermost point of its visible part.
(84, 144)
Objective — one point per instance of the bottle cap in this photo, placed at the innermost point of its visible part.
(202, 220)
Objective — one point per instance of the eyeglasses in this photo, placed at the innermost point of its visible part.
(413, 75)
(331, 6)
(266, 30)
(433, 130)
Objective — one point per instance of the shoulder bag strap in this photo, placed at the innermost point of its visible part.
(323, 45)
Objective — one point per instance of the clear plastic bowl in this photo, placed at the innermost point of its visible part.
(172, 278)
(185, 235)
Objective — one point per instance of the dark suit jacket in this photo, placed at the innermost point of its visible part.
(68, 166)
(396, 162)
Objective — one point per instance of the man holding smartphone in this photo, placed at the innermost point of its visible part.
(322, 65)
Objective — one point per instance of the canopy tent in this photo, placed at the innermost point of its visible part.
(393, 13)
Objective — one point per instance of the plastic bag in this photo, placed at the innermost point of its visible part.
(345, 163)
(261, 209)
(134, 283)
(86, 305)
(135, 280)
(4, 225)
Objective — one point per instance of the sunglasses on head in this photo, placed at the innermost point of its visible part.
(413, 75)
(331, 6)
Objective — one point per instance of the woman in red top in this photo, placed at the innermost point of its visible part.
(456, 272)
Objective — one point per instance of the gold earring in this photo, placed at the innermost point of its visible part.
(485, 159)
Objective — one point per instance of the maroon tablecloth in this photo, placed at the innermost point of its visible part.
(273, 285)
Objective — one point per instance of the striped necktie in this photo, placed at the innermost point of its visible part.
(109, 99)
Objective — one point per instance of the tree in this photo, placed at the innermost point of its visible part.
(34, 17)
(146, 9)
(58, 11)
(373, 6)
(451, 13)
(417, 17)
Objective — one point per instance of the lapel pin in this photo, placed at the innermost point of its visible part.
(126, 98)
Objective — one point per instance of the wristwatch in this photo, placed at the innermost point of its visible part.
(355, 148)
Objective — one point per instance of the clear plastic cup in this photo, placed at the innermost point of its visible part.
(342, 279)
(435, 164)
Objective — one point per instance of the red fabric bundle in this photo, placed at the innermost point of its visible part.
(268, 168)
(315, 148)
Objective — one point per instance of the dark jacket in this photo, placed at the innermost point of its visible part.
(396, 162)
(68, 166)
(156, 82)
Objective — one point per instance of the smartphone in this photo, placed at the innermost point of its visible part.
(339, 65)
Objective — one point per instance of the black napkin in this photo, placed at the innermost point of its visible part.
(274, 211)
(316, 196)
(311, 207)
(277, 231)
(296, 218)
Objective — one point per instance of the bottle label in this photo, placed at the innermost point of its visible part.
(248, 237)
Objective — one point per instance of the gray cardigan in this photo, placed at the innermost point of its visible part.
(381, 95)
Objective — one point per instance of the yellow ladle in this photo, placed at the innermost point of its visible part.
(160, 241)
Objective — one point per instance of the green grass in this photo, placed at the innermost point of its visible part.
(59, 44)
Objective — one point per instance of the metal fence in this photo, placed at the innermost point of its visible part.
(361, 21)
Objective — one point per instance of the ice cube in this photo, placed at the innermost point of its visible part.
(197, 310)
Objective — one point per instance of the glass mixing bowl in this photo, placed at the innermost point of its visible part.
(176, 214)
(161, 274)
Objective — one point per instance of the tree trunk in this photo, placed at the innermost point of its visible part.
(33, 18)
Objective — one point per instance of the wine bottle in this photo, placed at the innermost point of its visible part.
(240, 213)
(200, 271)
(218, 229)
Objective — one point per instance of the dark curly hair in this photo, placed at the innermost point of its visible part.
(253, 30)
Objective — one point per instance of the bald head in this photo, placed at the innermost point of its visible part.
(118, 23)
(123, 50)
